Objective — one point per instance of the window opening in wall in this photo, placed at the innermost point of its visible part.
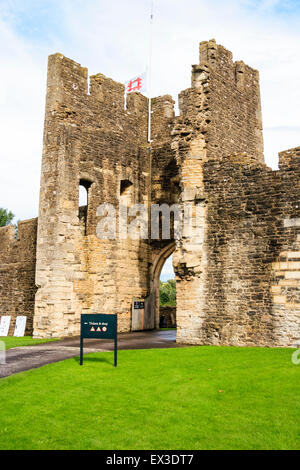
(126, 192)
(84, 187)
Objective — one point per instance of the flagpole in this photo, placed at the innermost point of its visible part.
(149, 119)
(149, 72)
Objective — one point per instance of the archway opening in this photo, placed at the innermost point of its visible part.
(167, 296)
(159, 260)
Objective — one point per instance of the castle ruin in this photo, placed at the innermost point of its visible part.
(238, 280)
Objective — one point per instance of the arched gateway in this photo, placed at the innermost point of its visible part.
(155, 272)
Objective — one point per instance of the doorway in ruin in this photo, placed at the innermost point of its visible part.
(157, 311)
(167, 296)
(164, 292)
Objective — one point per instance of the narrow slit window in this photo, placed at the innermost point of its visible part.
(84, 187)
(126, 192)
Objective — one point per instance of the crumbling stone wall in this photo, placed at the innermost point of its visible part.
(17, 273)
(245, 242)
(227, 271)
(89, 136)
(285, 281)
(223, 104)
(165, 187)
(237, 267)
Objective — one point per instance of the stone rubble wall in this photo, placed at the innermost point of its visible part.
(168, 316)
(225, 272)
(90, 137)
(17, 273)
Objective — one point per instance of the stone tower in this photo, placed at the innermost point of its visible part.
(237, 265)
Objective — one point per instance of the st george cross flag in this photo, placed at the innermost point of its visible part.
(137, 84)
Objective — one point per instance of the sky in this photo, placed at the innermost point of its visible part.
(113, 38)
(167, 270)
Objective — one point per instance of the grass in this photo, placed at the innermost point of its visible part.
(14, 342)
(171, 399)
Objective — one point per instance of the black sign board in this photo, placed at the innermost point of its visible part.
(98, 327)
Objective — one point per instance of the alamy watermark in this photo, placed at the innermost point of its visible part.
(296, 357)
(2, 353)
(139, 222)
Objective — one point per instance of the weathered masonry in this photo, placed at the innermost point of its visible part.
(238, 279)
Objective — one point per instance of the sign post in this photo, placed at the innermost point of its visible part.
(99, 327)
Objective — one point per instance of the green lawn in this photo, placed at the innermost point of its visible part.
(186, 398)
(13, 342)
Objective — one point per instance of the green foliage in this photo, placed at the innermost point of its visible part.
(167, 293)
(181, 399)
(6, 217)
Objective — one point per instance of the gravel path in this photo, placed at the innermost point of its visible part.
(32, 357)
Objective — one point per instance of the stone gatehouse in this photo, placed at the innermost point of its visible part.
(238, 278)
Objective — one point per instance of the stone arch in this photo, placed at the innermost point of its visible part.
(157, 265)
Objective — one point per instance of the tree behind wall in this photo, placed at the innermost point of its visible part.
(6, 217)
(167, 293)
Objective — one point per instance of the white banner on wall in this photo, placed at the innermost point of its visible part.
(20, 326)
(4, 325)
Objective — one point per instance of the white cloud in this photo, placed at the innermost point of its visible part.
(112, 38)
(22, 85)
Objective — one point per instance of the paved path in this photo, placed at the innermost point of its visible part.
(32, 357)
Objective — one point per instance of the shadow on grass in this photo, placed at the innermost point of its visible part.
(88, 358)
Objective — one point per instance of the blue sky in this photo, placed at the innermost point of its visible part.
(112, 38)
(275, 7)
(167, 271)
